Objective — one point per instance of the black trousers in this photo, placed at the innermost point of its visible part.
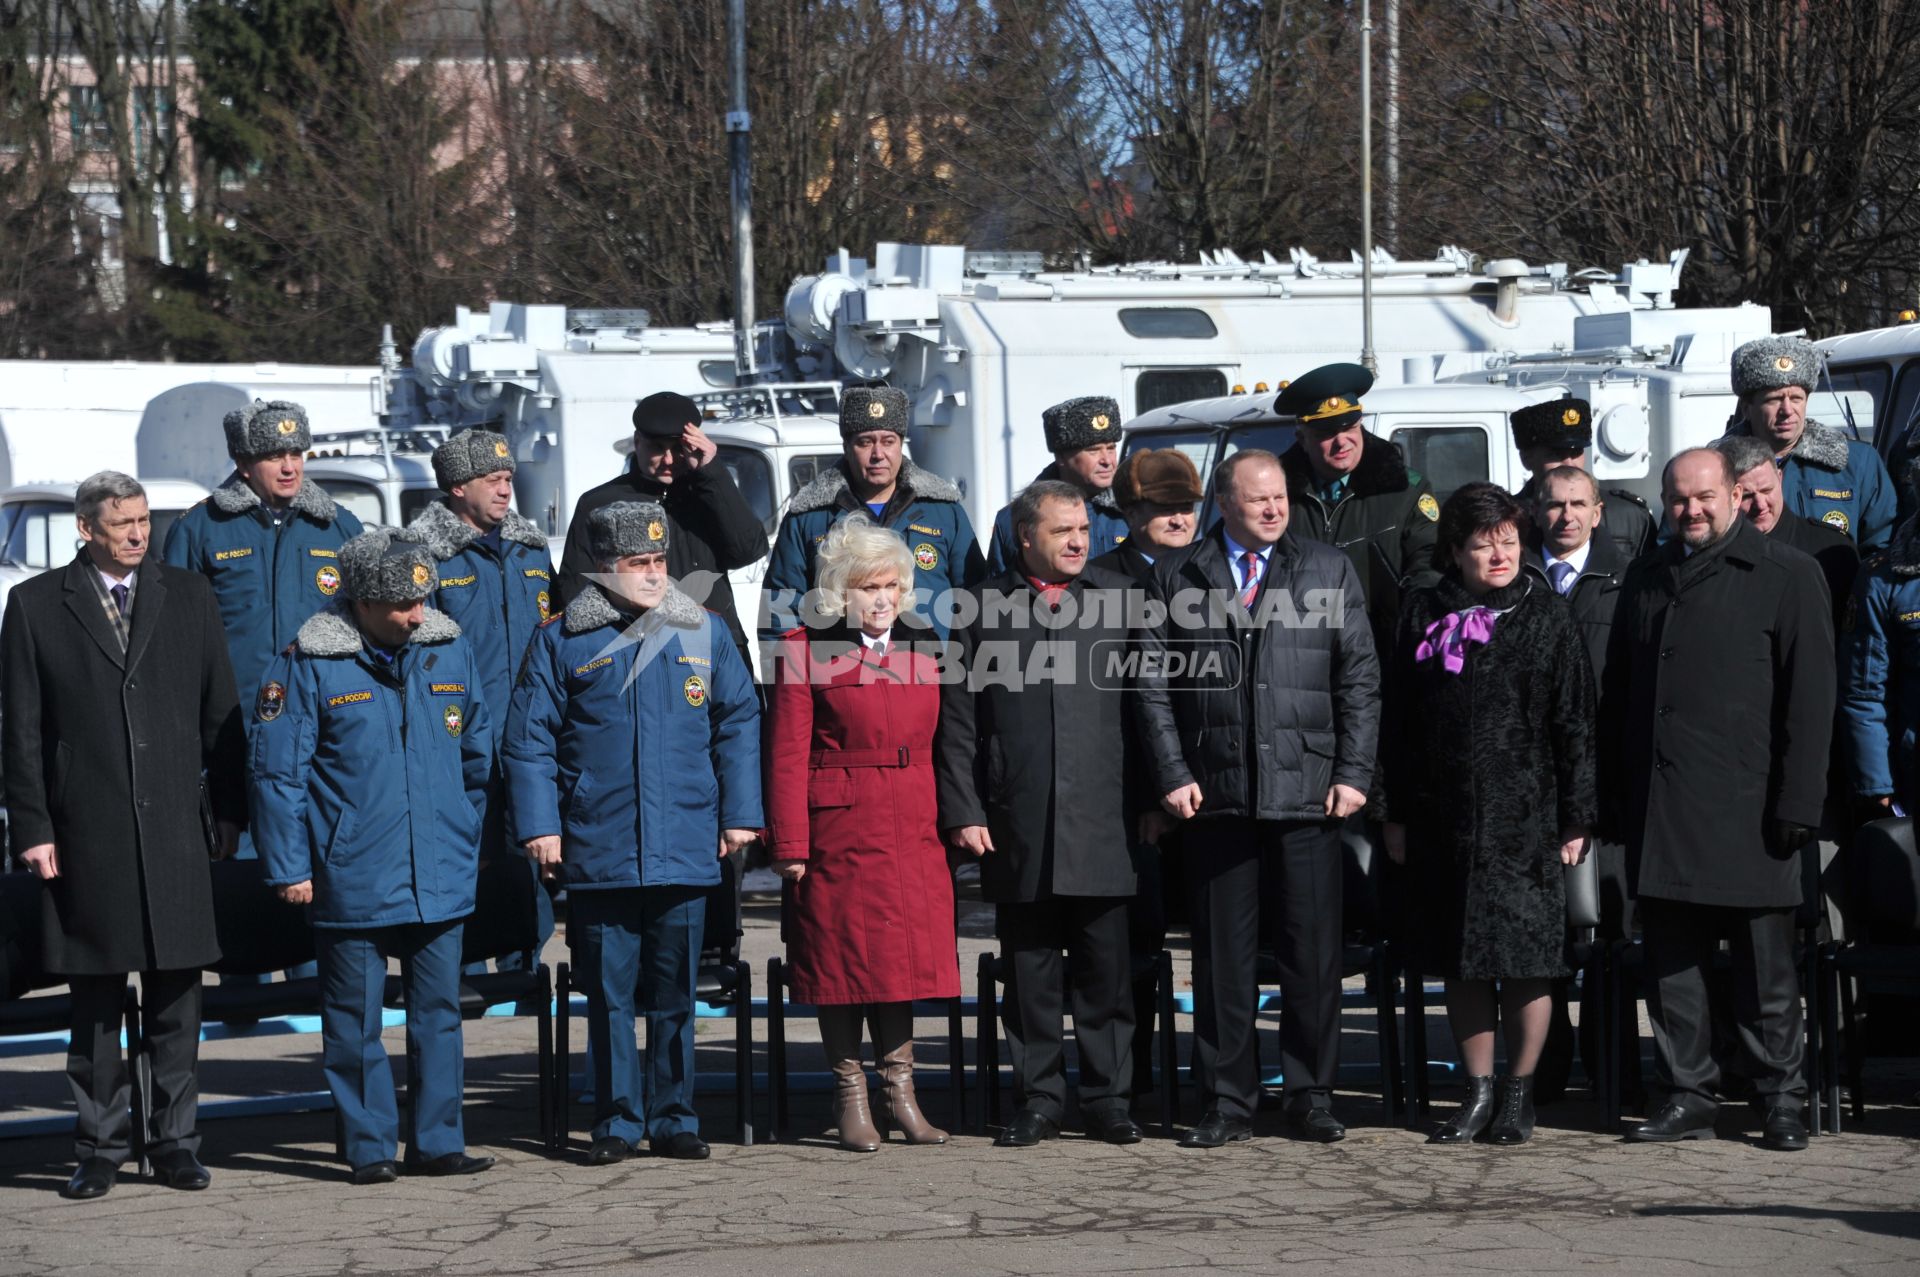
(97, 1070)
(1681, 940)
(1096, 974)
(1303, 865)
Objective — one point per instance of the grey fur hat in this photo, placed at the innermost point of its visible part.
(1772, 362)
(470, 455)
(266, 428)
(625, 528)
(1081, 423)
(865, 408)
(382, 566)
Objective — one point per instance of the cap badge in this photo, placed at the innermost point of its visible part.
(1100, 421)
(287, 425)
(421, 574)
(1571, 417)
(655, 532)
(876, 410)
(500, 448)
(1784, 363)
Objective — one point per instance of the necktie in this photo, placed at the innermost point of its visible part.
(1561, 574)
(879, 650)
(1249, 577)
(119, 593)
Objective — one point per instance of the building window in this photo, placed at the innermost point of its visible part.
(87, 116)
(152, 126)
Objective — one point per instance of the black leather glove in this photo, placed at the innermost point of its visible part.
(1789, 838)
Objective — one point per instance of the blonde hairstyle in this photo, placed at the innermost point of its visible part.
(856, 550)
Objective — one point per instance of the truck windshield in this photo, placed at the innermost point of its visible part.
(40, 534)
(361, 499)
(1851, 398)
(1200, 444)
(754, 478)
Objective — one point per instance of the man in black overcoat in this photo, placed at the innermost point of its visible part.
(713, 529)
(1267, 753)
(1031, 761)
(1716, 717)
(119, 699)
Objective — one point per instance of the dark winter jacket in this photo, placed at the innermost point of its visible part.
(269, 578)
(1487, 768)
(369, 778)
(1129, 561)
(925, 510)
(1716, 717)
(104, 755)
(1289, 704)
(1838, 481)
(1386, 521)
(497, 599)
(1035, 742)
(1106, 526)
(711, 531)
(1595, 596)
(1831, 548)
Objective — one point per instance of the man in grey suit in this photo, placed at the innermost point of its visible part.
(119, 707)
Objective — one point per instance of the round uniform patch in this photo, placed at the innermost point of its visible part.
(327, 580)
(455, 720)
(695, 690)
(1429, 507)
(421, 575)
(273, 699)
(926, 556)
(1571, 417)
(1837, 519)
(546, 605)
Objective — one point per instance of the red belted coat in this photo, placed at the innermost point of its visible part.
(850, 791)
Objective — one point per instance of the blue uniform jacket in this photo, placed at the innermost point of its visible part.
(268, 580)
(1840, 482)
(373, 790)
(1881, 695)
(1105, 525)
(498, 600)
(925, 510)
(636, 769)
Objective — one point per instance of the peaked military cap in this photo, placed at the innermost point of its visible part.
(864, 408)
(1081, 423)
(266, 428)
(1565, 425)
(627, 528)
(1329, 396)
(1159, 476)
(469, 455)
(664, 415)
(1772, 362)
(382, 566)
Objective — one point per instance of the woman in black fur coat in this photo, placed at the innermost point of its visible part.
(1488, 740)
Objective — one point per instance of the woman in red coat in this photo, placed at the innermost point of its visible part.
(851, 801)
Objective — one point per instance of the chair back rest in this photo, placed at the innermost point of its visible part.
(21, 971)
(1360, 904)
(505, 918)
(1886, 872)
(258, 932)
(724, 930)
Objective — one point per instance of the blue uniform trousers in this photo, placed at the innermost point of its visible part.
(639, 948)
(353, 975)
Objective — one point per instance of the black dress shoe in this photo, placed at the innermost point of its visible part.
(1216, 1129)
(1027, 1129)
(609, 1149)
(684, 1145)
(1113, 1126)
(1317, 1125)
(180, 1169)
(1674, 1121)
(449, 1164)
(1784, 1130)
(92, 1178)
(375, 1173)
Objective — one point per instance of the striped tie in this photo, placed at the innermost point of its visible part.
(1250, 574)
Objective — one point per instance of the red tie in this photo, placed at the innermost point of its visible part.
(1250, 573)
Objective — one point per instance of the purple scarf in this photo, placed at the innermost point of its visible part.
(1449, 636)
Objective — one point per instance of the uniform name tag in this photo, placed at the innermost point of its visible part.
(348, 698)
(447, 581)
(221, 556)
(540, 573)
(591, 666)
(693, 660)
(324, 554)
(449, 689)
(1831, 494)
(1909, 618)
(932, 532)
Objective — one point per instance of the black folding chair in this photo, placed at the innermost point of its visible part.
(1882, 873)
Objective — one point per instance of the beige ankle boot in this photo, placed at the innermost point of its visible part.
(840, 1035)
(893, 1044)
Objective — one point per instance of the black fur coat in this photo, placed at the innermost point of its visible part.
(1485, 768)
